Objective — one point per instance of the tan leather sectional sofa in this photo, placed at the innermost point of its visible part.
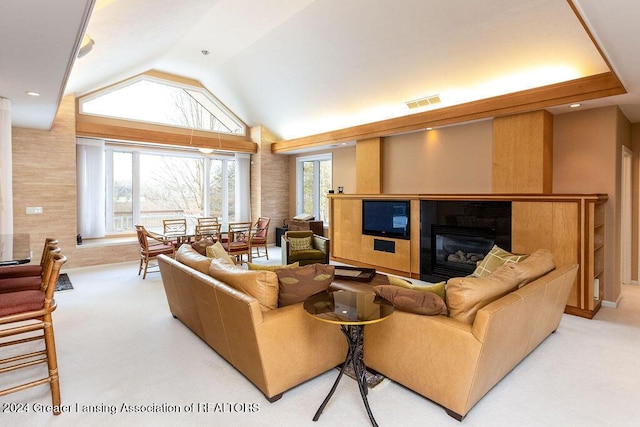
(455, 363)
(452, 360)
(275, 349)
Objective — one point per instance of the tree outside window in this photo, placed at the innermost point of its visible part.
(313, 183)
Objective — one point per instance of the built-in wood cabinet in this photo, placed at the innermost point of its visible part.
(572, 227)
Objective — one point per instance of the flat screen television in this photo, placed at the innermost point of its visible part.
(386, 218)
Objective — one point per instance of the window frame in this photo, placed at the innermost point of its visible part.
(190, 89)
(136, 151)
(316, 159)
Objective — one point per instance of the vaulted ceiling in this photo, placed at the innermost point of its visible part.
(301, 67)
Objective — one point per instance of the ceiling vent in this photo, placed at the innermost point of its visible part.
(423, 102)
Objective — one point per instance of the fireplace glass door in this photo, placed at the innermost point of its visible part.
(457, 250)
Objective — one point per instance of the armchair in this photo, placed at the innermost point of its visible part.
(305, 248)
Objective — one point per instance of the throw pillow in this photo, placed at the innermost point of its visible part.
(202, 244)
(467, 295)
(494, 259)
(253, 266)
(535, 266)
(412, 300)
(191, 258)
(436, 288)
(297, 284)
(262, 285)
(299, 244)
(217, 251)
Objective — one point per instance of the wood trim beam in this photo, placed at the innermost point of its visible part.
(124, 130)
(582, 89)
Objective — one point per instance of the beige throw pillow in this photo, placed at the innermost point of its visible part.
(494, 259)
(467, 295)
(217, 251)
(299, 244)
(262, 284)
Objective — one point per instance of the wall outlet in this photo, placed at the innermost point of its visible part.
(34, 210)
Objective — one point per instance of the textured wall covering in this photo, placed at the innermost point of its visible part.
(44, 174)
(269, 181)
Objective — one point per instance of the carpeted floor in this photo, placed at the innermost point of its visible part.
(124, 360)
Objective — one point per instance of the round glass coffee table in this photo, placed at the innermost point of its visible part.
(352, 311)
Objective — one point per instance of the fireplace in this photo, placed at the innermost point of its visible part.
(455, 234)
(457, 250)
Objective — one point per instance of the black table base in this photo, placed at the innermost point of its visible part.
(355, 338)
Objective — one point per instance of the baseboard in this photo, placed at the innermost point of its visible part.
(612, 304)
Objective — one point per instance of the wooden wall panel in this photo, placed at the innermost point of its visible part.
(346, 226)
(369, 166)
(523, 153)
(549, 225)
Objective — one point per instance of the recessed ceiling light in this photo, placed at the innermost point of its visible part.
(85, 46)
(32, 93)
(576, 105)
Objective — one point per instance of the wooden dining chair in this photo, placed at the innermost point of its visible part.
(30, 270)
(259, 236)
(151, 245)
(25, 317)
(239, 241)
(19, 280)
(208, 227)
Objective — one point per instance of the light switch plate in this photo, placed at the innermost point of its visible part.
(34, 210)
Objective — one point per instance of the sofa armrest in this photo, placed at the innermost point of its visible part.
(435, 356)
(321, 243)
(295, 347)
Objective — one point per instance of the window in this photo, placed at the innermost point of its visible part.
(141, 185)
(145, 187)
(314, 180)
(150, 99)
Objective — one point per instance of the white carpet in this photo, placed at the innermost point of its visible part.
(118, 345)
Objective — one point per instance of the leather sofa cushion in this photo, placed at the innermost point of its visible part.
(27, 283)
(191, 258)
(297, 284)
(494, 259)
(21, 302)
(436, 288)
(535, 266)
(412, 300)
(467, 295)
(260, 284)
